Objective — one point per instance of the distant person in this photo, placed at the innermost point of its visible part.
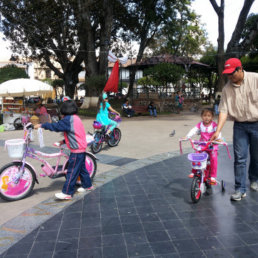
(42, 113)
(179, 100)
(216, 105)
(239, 101)
(127, 109)
(152, 109)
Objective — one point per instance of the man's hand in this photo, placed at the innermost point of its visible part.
(214, 136)
(37, 126)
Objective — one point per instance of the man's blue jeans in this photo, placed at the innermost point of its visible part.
(245, 138)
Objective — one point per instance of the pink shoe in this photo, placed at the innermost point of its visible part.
(191, 175)
(90, 188)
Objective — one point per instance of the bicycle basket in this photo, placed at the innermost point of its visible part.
(97, 125)
(15, 147)
(199, 160)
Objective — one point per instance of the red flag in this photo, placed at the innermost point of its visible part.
(112, 83)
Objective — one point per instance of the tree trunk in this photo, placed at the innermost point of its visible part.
(233, 45)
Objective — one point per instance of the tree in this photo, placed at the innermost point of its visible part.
(10, 72)
(146, 18)
(165, 74)
(183, 36)
(249, 44)
(231, 50)
(45, 31)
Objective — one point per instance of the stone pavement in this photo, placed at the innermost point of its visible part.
(141, 207)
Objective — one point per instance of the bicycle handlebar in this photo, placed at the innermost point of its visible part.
(206, 145)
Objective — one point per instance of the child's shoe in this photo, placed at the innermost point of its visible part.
(63, 196)
(191, 175)
(83, 190)
(213, 181)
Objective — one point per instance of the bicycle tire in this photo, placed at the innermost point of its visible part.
(10, 191)
(196, 193)
(115, 137)
(17, 123)
(91, 165)
(97, 144)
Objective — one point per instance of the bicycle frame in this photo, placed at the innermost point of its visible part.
(37, 155)
(201, 167)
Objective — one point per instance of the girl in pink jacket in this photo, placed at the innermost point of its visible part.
(206, 128)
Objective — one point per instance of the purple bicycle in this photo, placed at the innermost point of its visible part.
(18, 178)
(100, 134)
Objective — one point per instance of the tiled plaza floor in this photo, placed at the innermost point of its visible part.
(148, 213)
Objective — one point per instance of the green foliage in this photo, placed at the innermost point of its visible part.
(165, 73)
(48, 81)
(122, 85)
(95, 84)
(147, 81)
(182, 34)
(10, 72)
(58, 83)
(249, 43)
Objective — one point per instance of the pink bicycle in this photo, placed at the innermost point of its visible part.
(200, 162)
(18, 178)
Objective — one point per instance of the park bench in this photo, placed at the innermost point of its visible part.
(140, 109)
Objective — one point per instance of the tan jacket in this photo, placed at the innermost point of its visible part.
(240, 102)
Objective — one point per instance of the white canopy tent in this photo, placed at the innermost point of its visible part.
(24, 87)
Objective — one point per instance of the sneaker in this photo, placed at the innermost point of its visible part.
(63, 196)
(81, 190)
(254, 186)
(90, 188)
(213, 180)
(191, 175)
(237, 196)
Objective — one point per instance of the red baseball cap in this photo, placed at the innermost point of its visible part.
(231, 65)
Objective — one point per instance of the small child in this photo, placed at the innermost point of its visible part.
(102, 116)
(206, 129)
(75, 139)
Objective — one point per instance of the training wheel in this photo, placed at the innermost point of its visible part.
(222, 186)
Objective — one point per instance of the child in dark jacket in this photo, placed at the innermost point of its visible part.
(75, 139)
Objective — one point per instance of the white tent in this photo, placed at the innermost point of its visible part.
(24, 87)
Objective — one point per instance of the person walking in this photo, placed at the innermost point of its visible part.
(240, 102)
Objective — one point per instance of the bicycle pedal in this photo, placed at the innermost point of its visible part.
(42, 175)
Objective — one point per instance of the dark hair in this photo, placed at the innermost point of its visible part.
(209, 110)
(101, 100)
(69, 107)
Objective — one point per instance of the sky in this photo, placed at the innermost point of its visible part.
(208, 18)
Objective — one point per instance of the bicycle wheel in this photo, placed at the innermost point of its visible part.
(17, 123)
(9, 190)
(97, 144)
(115, 137)
(91, 165)
(196, 193)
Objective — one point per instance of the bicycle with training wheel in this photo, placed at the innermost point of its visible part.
(100, 136)
(17, 179)
(201, 167)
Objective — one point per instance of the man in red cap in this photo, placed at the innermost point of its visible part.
(240, 102)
